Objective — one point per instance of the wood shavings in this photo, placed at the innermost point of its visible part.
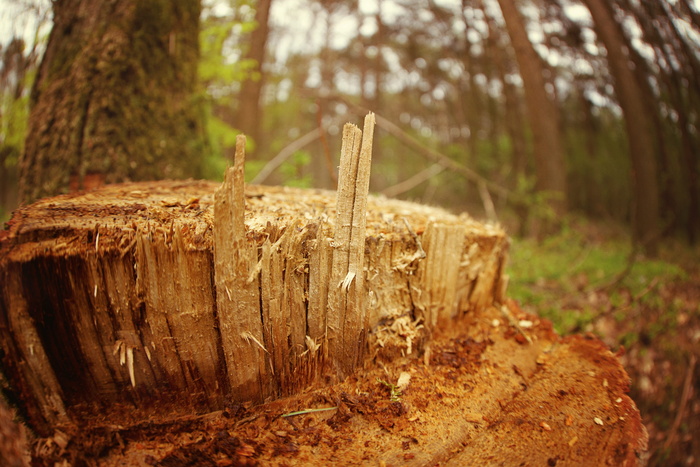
(345, 283)
(506, 312)
(249, 337)
(130, 365)
(403, 381)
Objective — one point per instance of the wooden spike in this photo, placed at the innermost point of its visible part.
(237, 297)
(347, 317)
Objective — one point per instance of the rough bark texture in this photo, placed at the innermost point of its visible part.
(113, 298)
(542, 113)
(638, 123)
(112, 100)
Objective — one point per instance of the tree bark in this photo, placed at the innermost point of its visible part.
(543, 115)
(113, 98)
(249, 113)
(638, 123)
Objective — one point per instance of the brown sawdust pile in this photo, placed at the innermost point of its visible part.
(483, 393)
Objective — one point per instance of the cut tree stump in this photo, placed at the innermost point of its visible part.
(196, 294)
(143, 312)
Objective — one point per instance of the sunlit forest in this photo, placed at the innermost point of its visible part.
(574, 123)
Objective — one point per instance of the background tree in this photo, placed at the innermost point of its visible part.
(16, 70)
(638, 122)
(113, 98)
(542, 112)
(248, 115)
(447, 75)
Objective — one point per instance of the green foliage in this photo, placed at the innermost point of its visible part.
(14, 115)
(221, 138)
(215, 66)
(220, 72)
(293, 170)
(14, 101)
(555, 276)
(538, 203)
(394, 391)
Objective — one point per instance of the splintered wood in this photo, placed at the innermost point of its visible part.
(237, 288)
(181, 297)
(347, 325)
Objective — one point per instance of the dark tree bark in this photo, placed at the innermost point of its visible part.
(548, 148)
(113, 99)
(249, 115)
(638, 123)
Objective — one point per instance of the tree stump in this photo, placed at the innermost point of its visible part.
(140, 307)
(195, 294)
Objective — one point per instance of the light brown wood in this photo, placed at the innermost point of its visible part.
(237, 288)
(347, 325)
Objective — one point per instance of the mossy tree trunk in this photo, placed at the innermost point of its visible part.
(113, 99)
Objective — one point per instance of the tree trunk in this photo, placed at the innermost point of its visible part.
(249, 114)
(638, 123)
(542, 111)
(113, 100)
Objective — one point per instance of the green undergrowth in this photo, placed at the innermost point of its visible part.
(587, 279)
(563, 276)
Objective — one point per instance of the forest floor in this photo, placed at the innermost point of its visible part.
(584, 281)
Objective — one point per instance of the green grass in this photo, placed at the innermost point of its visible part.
(555, 276)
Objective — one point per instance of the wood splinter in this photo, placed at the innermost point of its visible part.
(347, 315)
(237, 296)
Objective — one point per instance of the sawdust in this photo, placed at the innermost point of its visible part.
(483, 397)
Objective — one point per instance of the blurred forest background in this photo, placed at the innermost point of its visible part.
(574, 123)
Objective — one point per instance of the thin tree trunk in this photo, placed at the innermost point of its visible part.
(249, 115)
(638, 123)
(113, 96)
(542, 111)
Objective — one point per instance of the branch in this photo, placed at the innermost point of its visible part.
(413, 181)
(285, 154)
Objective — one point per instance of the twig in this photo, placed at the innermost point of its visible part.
(438, 158)
(413, 181)
(304, 412)
(285, 154)
(513, 322)
(489, 207)
(685, 396)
